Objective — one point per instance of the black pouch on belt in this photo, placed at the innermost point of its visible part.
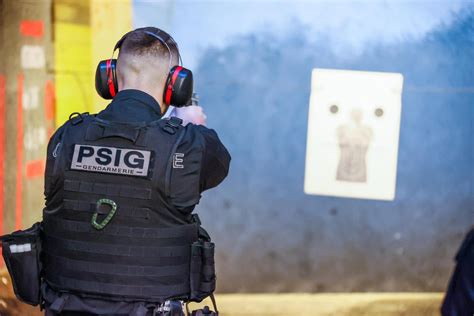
(203, 276)
(208, 272)
(21, 250)
(195, 273)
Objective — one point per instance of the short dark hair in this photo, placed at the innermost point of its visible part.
(138, 42)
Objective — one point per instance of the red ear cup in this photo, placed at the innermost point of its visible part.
(172, 76)
(110, 77)
(179, 87)
(106, 78)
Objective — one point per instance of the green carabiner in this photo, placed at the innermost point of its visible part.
(109, 216)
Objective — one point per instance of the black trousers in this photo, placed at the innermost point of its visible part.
(51, 313)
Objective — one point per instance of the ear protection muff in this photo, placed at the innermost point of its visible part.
(106, 79)
(178, 89)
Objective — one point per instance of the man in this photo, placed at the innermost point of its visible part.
(120, 188)
(459, 299)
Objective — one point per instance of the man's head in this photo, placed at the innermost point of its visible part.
(144, 62)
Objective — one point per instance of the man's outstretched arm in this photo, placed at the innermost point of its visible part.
(204, 160)
(215, 161)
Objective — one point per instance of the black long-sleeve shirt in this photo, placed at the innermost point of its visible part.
(137, 106)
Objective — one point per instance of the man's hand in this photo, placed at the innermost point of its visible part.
(192, 114)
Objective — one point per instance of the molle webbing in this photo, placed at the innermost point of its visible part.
(120, 269)
(156, 269)
(156, 292)
(117, 250)
(87, 207)
(112, 189)
(184, 232)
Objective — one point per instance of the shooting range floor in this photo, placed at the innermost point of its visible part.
(340, 304)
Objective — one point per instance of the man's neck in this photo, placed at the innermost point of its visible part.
(157, 95)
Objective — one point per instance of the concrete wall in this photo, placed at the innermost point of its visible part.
(26, 108)
(45, 48)
(273, 237)
(73, 64)
(85, 33)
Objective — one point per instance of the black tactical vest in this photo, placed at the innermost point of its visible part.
(106, 240)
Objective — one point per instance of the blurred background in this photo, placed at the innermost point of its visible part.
(252, 62)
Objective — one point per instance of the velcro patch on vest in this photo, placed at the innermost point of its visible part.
(122, 161)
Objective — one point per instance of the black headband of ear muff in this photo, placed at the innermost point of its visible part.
(162, 36)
